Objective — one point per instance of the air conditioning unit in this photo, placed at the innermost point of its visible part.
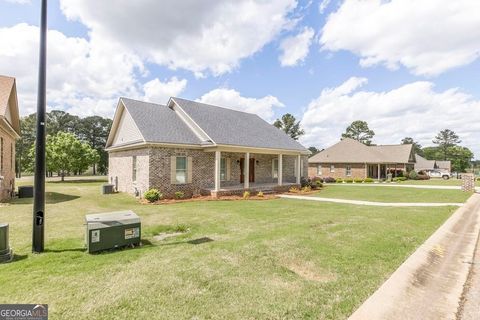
(105, 231)
(6, 254)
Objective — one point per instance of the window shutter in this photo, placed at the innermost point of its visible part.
(173, 170)
(228, 160)
(273, 167)
(295, 168)
(189, 169)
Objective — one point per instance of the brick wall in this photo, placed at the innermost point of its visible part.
(154, 170)
(120, 171)
(358, 170)
(7, 185)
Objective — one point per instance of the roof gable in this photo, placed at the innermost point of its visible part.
(351, 151)
(9, 103)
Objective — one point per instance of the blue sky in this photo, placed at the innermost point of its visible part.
(407, 69)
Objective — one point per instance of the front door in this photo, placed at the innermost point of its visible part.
(251, 171)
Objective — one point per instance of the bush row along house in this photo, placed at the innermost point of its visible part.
(9, 133)
(199, 149)
(350, 159)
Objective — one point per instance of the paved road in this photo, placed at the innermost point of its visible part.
(470, 306)
(372, 203)
(430, 283)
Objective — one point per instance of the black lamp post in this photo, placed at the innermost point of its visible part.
(39, 184)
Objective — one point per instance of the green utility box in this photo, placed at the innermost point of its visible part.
(111, 230)
(5, 251)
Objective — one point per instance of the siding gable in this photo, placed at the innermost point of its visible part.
(127, 130)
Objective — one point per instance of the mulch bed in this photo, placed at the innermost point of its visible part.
(224, 198)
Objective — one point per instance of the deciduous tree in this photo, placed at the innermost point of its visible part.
(417, 147)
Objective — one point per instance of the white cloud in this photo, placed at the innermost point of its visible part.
(83, 77)
(230, 98)
(323, 6)
(20, 1)
(428, 37)
(416, 110)
(199, 36)
(295, 49)
(159, 92)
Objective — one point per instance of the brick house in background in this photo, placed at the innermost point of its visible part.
(199, 149)
(352, 159)
(9, 133)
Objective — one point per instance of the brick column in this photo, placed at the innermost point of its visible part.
(246, 171)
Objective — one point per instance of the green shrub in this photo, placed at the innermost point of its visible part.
(181, 228)
(412, 175)
(152, 195)
(246, 195)
(358, 180)
(339, 180)
(399, 179)
(179, 195)
(260, 194)
(368, 180)
(319, 184)
(349, 180)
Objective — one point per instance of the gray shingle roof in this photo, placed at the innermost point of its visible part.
(158, 123)
(230, 127)
(352, 151)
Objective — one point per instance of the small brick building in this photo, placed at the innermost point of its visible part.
(350, 159)
(9, 133)
(199, 149)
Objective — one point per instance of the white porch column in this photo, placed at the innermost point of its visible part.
(299, 168)
(246, 171)
(280, 170)
(218, 157)
(378, 173)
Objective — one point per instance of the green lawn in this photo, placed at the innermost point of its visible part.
(390, 194)
(272, 259)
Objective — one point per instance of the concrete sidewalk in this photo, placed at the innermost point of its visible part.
(415, 186)
(377, 204)
(430, 283)
(470, 305)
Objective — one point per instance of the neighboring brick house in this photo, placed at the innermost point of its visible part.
(423, 164)
(352, 159)
(9, 132)
(199, 149)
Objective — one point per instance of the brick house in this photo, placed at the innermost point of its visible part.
(9, 133)
(199, 149)
(352, 159)
(423, 164)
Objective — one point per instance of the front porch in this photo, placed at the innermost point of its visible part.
(380, 171)
(237, 172)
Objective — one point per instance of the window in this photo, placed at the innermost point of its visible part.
(319, 170)
(275, 168)
(181, 170)
(223, 169)
(134, 168)
(348, 170)
(332, 168)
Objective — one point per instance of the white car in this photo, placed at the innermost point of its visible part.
(445, 175)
